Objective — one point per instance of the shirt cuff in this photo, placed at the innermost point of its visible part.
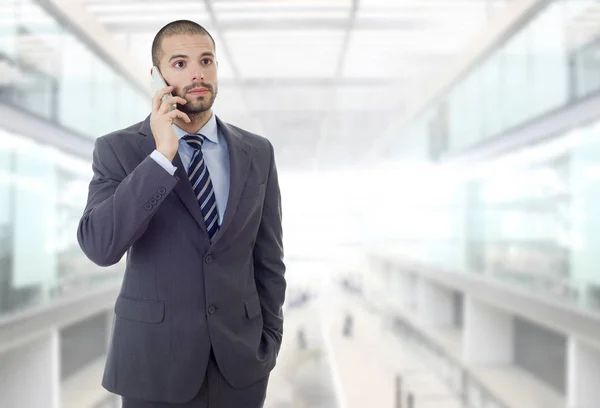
(163, 161)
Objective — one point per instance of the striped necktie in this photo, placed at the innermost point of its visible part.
(201, 184)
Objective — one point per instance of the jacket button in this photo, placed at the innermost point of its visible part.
(157, 196)
(162, 190)
(212, 309)
(148, 206)
(153, 201)
(208, 259)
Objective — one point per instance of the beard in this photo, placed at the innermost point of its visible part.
(199, 104)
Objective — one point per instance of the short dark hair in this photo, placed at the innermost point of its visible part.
(176, 28)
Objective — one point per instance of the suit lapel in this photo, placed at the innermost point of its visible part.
(240, 155)
(183, 189)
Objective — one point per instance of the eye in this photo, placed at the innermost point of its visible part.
(206, 61)
(179, 66)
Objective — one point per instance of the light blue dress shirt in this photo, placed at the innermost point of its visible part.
(216, 155)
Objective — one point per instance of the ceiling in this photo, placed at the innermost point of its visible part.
(320, 79)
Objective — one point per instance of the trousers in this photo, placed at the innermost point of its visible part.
(215, 392)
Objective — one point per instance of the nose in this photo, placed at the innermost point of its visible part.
(198, 74)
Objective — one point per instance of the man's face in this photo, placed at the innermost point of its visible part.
(188, 64)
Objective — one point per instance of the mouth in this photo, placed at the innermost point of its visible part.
(199, 91)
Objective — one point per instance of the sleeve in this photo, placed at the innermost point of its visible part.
(119, 206)
(269, 268)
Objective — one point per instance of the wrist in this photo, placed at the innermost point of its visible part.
(170, 155)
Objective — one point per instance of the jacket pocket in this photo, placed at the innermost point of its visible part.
(139, 310)
(253, 307)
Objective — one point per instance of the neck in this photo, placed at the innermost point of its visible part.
(198, 120)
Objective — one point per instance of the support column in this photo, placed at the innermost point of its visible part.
(488, 335)
(435, 304)
(30, 374)
(403, 289)
(583, 375)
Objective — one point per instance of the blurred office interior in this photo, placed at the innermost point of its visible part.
(453, 146)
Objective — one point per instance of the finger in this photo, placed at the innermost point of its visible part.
(176, 113)
(169, 102)
(157, 98)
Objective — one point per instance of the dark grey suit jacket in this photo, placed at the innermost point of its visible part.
(182, 294)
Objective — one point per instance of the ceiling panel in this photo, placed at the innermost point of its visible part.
(132, 9)
(428, 34)
(368, 98)
(394, 54)
(285, 53)
(269, 5)
(136, 12)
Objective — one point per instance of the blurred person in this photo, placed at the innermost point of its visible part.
(301, 338)
(348, 325)
(195, 203)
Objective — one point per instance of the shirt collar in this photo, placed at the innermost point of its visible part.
(209, 130)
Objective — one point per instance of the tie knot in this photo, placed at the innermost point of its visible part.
(195, 141)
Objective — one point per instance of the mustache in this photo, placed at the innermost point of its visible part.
(198, 85)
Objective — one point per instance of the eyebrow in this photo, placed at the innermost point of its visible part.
(204, 54)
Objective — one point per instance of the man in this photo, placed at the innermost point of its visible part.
(195, 203)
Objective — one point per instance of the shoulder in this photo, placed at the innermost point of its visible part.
(255, 140)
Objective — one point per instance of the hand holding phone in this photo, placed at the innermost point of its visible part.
(164, 111)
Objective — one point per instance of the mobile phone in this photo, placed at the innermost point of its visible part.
(158, 83)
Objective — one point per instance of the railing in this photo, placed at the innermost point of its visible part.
(452, 372)
(460, 380)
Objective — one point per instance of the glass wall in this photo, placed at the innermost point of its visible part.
(42, 195)
(522, 225)
(550, 62)
(537, 222)
(46, 70)
(528, 219)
